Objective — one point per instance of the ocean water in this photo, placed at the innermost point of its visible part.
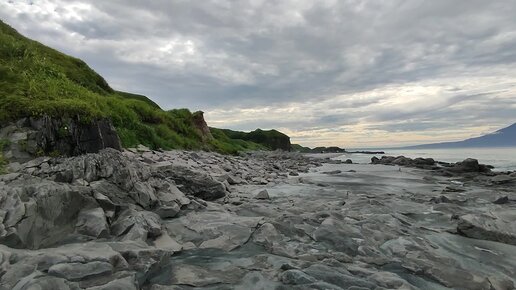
(503, 159)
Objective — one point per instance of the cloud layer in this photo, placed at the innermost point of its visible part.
(349, 73)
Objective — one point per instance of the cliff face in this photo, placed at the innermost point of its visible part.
(200, 124)
(31, 137)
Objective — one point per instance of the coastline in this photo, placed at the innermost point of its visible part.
(180, 219)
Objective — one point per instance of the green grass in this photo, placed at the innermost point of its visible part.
(269, 139)
(36, 80)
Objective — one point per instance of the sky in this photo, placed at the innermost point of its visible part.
(344, 73)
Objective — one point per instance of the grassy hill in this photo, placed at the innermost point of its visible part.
(36, 80)
(269, 139)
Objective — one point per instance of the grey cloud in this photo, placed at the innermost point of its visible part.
(252, 54)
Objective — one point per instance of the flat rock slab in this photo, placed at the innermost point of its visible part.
(500, 227)
(79, 271)
(213, 229)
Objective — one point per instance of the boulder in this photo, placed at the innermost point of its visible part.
(194, 182)
(499, 227)
(502, 200)
(262, 194)
(168, 211)
(92, 222)
(137, 225)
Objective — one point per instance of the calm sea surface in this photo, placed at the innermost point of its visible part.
(501, 158)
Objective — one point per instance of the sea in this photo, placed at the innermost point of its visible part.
(503, 159)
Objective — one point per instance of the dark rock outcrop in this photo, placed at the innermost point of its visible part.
(31, 137)
(200, 124)
(469, 165)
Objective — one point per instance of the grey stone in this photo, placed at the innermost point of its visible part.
(127, 283)
(262, 194)
(79, 271)
(296, 277)
(92, 222)
(137, 225)
(168, 211)
(499, 227)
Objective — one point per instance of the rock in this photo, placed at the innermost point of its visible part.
(38, 280)
(334, 172)
(266, 235)
(296, 277)
(232, 180)
(168, 211)
(92, 222)
(127, 283)
(137, 225)
(195, 183)
(332, 276)
(66, 136)
(142, 148)
(47, 215)
(502, 200)
(469, 165)
(212, 229)
(194, 276)
(79, 271)
(499, 227)
(348, 161)
(502, 179)
(262, 194)
(200, 124)
(389, 280)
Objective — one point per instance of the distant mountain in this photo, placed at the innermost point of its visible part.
(505, 137)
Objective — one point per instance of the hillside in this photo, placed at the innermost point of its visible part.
(505, 137)
(37, 81)
(270, 139)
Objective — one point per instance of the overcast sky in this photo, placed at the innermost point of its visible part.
(345, 72)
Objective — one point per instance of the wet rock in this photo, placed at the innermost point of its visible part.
(502, 200)
(333, 172)
(195, 276)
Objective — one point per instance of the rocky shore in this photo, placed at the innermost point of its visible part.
(143, 219)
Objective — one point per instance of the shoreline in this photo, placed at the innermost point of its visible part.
(276, 219)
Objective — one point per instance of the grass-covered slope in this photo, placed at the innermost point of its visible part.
(270, 139)
(36, 80)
